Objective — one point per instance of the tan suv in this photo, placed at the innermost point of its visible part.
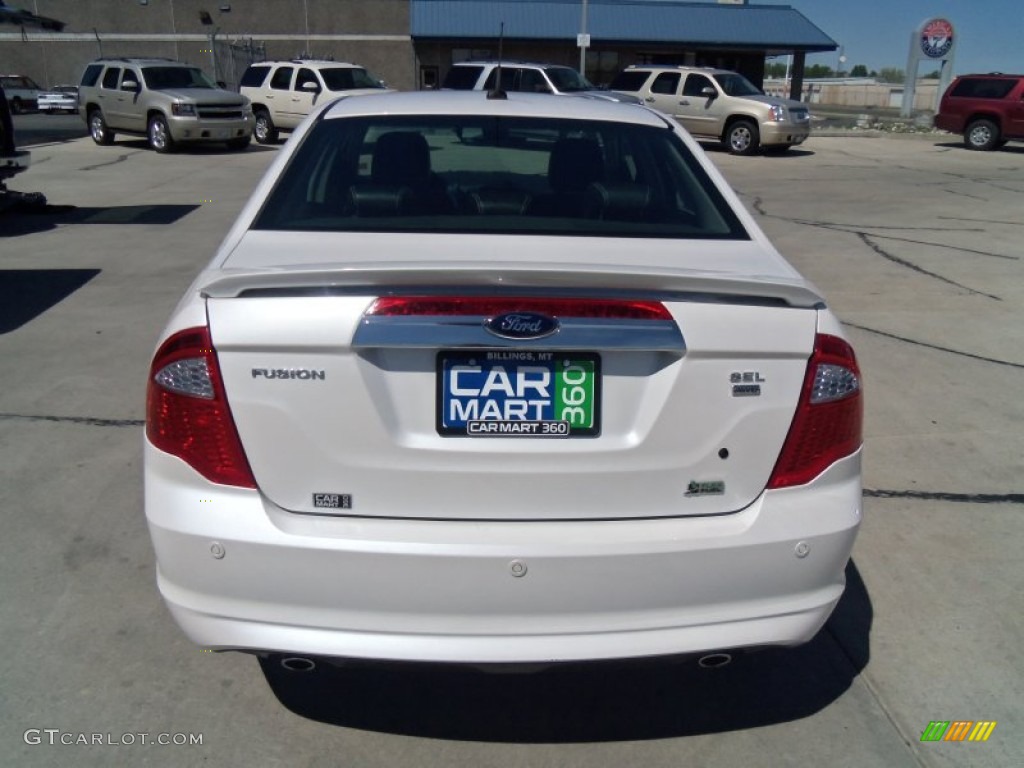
(719, 104)
(166, 101)
(284, 92)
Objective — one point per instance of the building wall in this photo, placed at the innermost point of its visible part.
(868, 93)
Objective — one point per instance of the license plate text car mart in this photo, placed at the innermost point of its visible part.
(512, 393)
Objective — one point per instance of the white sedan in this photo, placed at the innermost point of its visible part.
(495, 380)
(60, 98)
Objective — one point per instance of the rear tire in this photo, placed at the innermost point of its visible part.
(981, 135)
(742, 138)
(265, 132)
(99, 130)
(16, 106)
(159, 135)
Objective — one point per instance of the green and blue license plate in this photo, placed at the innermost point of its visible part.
(518, 393)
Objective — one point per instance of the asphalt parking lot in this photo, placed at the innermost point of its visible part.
(917, 244)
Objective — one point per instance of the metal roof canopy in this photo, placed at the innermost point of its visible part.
(772, 28)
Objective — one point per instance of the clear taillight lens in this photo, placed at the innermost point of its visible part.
(187, 413)
(828, 422)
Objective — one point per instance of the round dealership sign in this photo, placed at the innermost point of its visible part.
(936, 38)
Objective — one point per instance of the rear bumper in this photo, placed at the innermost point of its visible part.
(239, 573)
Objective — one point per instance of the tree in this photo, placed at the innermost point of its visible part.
(933, 75)
(859, 70)
(775, 69)
(891, 75)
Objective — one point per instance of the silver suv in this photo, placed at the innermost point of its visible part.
(166, 101)
(719, 104)
(284, 92)
(528, 77)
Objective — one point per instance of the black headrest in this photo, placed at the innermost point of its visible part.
(575, 163)
(400, 157)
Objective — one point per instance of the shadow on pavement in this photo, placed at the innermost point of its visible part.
(593, 702)
(27, 293)
(193, 148)
(1012, 149)
(715, 148)
(29, 221)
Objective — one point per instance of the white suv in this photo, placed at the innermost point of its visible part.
(719, 104)
(527, 77)
(284, 92)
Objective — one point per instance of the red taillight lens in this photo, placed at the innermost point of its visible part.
(187, 414)
(827, 424)
(487, 306)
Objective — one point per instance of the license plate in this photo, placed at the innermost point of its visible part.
(512, 393)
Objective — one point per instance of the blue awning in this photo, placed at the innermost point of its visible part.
(768, 27)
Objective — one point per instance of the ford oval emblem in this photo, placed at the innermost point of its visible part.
(521, 325)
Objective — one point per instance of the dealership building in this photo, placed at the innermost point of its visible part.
(410, 43)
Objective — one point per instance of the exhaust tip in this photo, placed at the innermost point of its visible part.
(298, 664)
(714, 660)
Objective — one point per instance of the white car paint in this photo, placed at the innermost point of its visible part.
(499, 550)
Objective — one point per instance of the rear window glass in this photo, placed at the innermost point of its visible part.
(629, 81)
(254, 77)
(462, 78)
(984, 88)
(91, 75)
(491, 175)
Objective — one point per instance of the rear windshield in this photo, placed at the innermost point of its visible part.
(491, 175)
(462, 78)
(159, 78)
(348, 78)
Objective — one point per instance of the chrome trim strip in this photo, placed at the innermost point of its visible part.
(576, 333)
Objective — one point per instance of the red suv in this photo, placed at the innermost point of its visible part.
(987, 109)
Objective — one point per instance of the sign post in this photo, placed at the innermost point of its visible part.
(583, 40)
(934, 40)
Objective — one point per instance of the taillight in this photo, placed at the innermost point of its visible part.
(187, 413)
(827, 424)
(484, 306)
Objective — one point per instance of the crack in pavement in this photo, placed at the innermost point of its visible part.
(925, 344)
(87, 420)
(983, 221)
(866, 239)
(944, 245)
(758, 205)
(960, 498)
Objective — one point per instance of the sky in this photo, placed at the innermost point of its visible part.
(989, 34)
